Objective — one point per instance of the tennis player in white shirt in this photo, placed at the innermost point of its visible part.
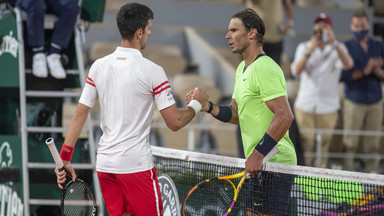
(127, 86)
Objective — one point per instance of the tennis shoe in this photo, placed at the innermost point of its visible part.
(55, 67)
(39, 65)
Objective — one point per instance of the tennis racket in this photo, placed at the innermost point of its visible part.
(77, 198)
(218, 195)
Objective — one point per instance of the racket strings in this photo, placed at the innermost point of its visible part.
(78, 200)
(210, 198)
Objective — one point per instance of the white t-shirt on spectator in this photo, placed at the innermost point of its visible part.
(319, 92)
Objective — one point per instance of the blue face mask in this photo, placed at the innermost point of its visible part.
(324, 37)
(359, 35)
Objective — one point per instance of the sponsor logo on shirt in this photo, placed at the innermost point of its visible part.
(169, 92)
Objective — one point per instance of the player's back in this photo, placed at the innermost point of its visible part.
(124, 84)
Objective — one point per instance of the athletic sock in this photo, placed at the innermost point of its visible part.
(54, 48)
(38, 49)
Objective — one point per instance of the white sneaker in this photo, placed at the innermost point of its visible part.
(55, 67)
(39, 65)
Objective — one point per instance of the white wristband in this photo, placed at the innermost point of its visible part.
(195, 105)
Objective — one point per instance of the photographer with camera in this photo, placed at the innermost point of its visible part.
(319, 62)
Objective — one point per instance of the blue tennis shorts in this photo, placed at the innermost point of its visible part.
(268, 192)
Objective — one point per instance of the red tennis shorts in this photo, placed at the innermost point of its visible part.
(136, 193)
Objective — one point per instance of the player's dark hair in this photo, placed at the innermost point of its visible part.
(131, 17)
(251, 19)
(360, 14)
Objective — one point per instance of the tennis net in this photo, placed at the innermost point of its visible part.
(277, 190)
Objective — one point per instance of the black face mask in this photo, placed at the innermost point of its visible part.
(359, 35)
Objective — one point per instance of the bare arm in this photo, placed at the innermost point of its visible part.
(283, 117)
(288, 9)
(74, 130)
(77, 124)
(176, 118)
(288, 23)
(277, 129)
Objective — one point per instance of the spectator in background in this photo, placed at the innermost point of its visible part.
(363, 108)
(319, 62)
(67, 11)
(271, 12)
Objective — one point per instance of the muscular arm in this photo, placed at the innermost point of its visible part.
(176, 118)
(282, 119)
(278, 127)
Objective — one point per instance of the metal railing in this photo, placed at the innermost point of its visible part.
(319, 133)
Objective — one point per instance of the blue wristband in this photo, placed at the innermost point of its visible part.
(266, 144)
(225, 114)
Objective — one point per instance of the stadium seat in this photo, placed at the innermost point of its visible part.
(169, 57)
(183, 83)
(100, 49)
(226, 139)
(232, 58)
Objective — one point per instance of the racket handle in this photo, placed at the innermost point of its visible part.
(55, 154)
(271, 153)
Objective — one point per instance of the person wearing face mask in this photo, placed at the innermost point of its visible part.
(318, 62)
(363, 108)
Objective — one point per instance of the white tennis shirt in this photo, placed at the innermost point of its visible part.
(127, 86)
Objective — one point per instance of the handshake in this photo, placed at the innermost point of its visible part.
(198, 100)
